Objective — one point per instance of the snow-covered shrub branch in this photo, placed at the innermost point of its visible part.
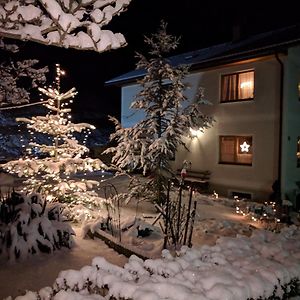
(29, 226)
(18, 77)
(69, 24)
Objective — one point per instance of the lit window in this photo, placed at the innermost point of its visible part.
(298, 152)
(236, 150)
(299, 90)
(237, 86)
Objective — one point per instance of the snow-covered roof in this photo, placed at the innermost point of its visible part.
(254, 46)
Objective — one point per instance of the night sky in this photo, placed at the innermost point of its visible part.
(198, 23)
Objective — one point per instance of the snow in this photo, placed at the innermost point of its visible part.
(23, 20)
(209, 272)
(229, 260)
(42, 270)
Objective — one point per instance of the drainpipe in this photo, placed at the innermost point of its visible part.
(280, 125)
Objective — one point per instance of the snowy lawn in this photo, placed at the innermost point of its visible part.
(41, 270)
(264, 265)
(214, 218)
(223, 265)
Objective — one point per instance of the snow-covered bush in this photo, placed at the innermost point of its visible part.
(28, 226)
(265, 266)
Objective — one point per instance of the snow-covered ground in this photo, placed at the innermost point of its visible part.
(40, 271)
(224, 265)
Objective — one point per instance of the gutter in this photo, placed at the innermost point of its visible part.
(280, 126)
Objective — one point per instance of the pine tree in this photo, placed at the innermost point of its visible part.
(151, 143)
(48, 167)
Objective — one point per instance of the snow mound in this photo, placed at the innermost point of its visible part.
(262, 265)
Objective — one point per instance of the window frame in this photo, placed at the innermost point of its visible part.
(237, 73)
(236, 152)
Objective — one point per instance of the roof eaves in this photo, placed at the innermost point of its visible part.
(213, 61)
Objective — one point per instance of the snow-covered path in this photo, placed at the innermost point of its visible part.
(41, 271)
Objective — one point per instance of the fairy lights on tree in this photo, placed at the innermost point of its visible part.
(48, 167)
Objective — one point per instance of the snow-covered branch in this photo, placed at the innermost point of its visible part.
(12, 73)
(69, 24)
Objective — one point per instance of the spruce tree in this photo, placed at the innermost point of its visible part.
(152, 142)
(48, 167)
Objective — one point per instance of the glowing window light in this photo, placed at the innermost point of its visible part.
(246, 85)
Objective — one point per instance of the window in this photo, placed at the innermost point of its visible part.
(237, 86)
(299, 91)
(236, 150)
(298, 152)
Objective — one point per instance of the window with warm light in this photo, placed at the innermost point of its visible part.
(236, 150)
(298, 152)
(237, 86)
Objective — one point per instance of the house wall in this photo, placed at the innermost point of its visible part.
(258, 118)
(129, 116)
(291, 126)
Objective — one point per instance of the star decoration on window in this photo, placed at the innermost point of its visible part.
(245, 147)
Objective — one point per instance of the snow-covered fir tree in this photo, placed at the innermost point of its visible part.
(18, 77)
(48, 167)
(151, 143)
(70, 24)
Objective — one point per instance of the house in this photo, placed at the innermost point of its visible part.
(254, 86)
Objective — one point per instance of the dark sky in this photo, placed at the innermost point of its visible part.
(198, 23)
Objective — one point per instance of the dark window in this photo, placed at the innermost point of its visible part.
(236, 150)
(237, 86)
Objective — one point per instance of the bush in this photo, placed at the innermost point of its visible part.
(29, 226)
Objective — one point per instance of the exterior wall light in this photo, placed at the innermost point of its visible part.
(195, 133)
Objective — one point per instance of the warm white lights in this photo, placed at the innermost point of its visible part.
(195, 133)
(61, 158)
(245, 147)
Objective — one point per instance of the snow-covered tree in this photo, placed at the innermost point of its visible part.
(18, 77)
(151, 143)
(70, 24)
(48, 167)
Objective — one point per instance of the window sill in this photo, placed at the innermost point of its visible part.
(235, 164)
(237, 100)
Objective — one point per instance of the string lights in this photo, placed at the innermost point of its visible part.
(48, 167)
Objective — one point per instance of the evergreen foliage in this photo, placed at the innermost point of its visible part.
(69, 24)
(151, 143)
(28, 226)
(48, 167)
(18, 77)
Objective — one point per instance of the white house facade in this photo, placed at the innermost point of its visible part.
(254, 93)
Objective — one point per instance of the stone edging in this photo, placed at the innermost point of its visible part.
(111, 242)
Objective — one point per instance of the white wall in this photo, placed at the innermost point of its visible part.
(258, 118)
(129, 116)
